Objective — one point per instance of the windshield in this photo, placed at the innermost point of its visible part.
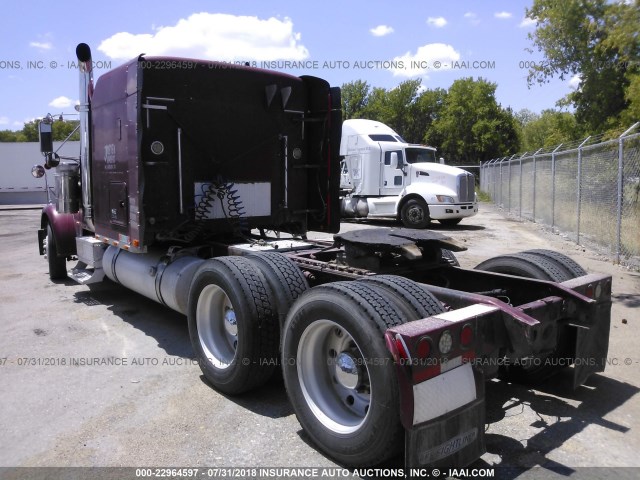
(420, 155)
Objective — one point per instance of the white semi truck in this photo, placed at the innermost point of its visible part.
(384, 176)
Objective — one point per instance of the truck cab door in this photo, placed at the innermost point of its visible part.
(392, 178)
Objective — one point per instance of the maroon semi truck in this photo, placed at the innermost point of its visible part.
(187, 171)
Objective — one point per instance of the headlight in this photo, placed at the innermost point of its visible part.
(445, 199)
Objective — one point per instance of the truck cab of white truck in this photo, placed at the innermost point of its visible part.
(384, 176)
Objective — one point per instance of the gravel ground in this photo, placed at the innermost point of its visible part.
(155, 409)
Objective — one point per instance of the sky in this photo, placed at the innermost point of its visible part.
(381, 42)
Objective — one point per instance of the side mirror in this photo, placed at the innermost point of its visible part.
(37, 171)
(45, 131)
(394, 160)
(442, 160)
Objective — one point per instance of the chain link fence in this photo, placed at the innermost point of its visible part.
(589, 192)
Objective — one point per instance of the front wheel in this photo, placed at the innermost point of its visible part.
(415, 214)
(339, 374)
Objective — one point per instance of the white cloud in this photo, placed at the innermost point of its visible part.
(419, 63)
(437, 22)
(503, 15)
(4, 121)
(528, 22)
(574, 82)
(60, 102)
(381, 30)
(213, 36)
(472, 17)
(41, 45)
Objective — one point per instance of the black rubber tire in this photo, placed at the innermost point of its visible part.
(416, 301)
(525, 265)
(540, 267)
(415, 214)
(285, 278)
(572, 268)
(255, 357)
(364, 314)
(449, 258)
(450, 222)
(57, 264)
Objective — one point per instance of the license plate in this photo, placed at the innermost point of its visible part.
(449, 447)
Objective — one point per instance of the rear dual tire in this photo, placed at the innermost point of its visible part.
(233, 324)
(547, 265)
(236, 307)
(529, 265)
(339, 375)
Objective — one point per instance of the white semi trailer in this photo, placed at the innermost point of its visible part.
(384, 176)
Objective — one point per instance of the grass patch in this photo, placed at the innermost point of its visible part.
(483, 196)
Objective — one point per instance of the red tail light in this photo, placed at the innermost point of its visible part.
(424, 348)
(466, 335)
(590, 291)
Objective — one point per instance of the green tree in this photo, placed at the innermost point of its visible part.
(623, 22)
(8, 136)
(405, 108)
(61, 129)
(525, 116)
(376, 106)
(597, 40)
(30, 131)
(354, 98)
(472, 126)
(400, 107)
(550, 129)
(632, 95)
(425, 110)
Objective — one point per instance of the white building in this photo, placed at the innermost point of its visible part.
(17, 185)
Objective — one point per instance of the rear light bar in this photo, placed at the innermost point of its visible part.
(595, 286)
(436, 354)
(437, 344)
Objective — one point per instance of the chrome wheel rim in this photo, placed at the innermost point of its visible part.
(334, 377)
(217, 326)
(415, 214)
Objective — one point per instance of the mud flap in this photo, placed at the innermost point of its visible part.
(452, 440)
(592, 344)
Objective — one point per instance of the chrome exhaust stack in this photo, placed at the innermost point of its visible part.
(83, 52)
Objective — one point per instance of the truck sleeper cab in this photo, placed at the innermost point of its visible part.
(383, 176)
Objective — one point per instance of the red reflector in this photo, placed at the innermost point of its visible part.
(589, 292)
(424, 347)
(402, 348)
(466, 335)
